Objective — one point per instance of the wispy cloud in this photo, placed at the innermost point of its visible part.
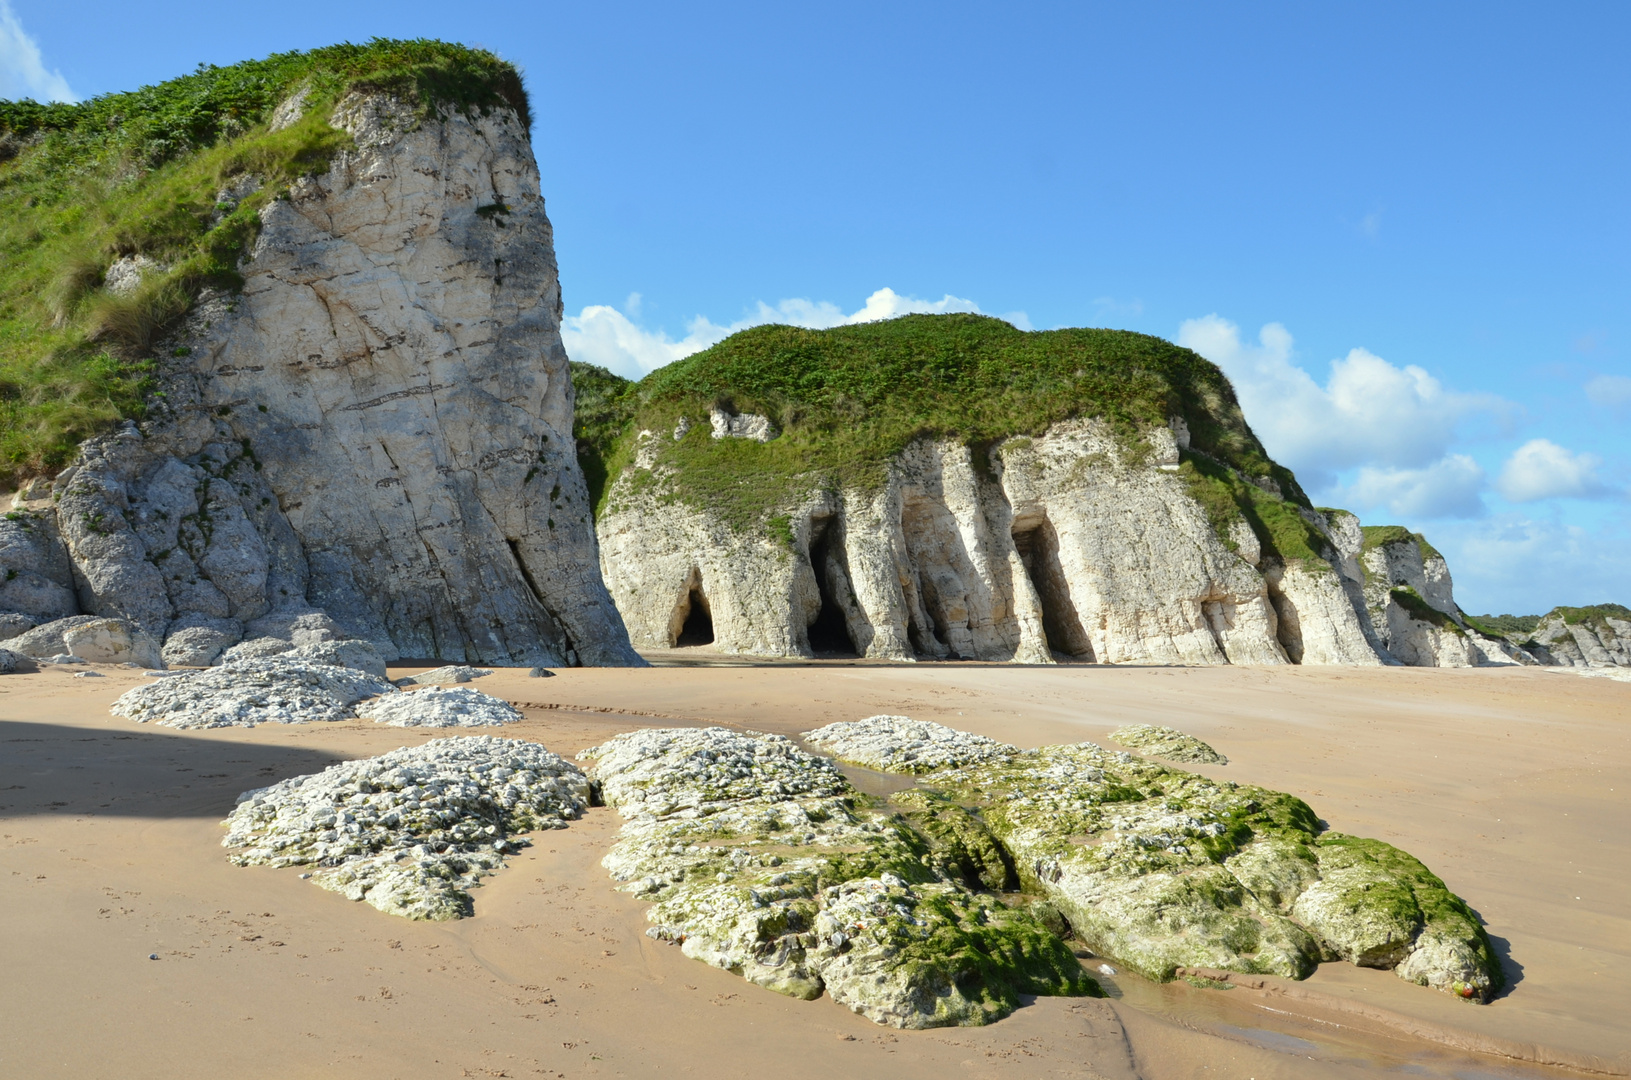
(22, 68)
(615, 340)
(1610, 391)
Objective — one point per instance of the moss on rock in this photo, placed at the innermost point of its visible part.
(1163, 869)
(1168, 743)
(806, 891)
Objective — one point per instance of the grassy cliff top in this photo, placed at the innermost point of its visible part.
(1592, 615)
(138, 173)
(1378, 535)
(846, 400)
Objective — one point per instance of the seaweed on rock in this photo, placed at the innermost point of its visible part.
(1163, 869)
(762, 860)
(1168, 743)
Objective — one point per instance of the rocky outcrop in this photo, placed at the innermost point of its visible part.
(1161, 869)
(375, 431)
(412, 831)
(1594, 637)
(761, 859)
(1068, 546)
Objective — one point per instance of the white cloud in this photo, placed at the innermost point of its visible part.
(1541, 469)
(22, 69)
(1369, 412)
(608, 337)
(1448, 488)
(1613, 391)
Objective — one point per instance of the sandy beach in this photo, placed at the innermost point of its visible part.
(1514, 785)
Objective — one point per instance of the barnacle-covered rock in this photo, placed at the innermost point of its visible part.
(901, 744)
(411, 831)
(458, 706)
(449, 675)
(271, 690)
(1168, 743)
(762, 860)
(662, 771)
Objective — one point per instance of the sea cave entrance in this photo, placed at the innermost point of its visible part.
(1038, 547)
(695, 621)
(829, 633)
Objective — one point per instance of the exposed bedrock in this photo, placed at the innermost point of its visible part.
(1066, 546)
(1162, 869)
(761, 859)
(378, 428)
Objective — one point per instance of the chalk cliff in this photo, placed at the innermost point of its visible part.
(1100, 498)
(374, 436)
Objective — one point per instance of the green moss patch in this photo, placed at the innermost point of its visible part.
(137, 173)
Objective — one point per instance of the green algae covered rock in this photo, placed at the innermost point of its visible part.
(1163, 869)
(1168, 743)
(760, 859)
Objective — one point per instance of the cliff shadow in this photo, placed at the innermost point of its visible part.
(831, 635)
(1038, 545)
(136, 771)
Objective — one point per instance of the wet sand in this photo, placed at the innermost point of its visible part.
(1514, 786)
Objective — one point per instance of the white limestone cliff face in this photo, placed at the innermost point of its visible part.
(1409, 596)
(379, 428)
(1061, 546)
(1598, 641)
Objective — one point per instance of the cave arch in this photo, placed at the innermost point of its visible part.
(1038, 545)
(692, 623)
(829, 634)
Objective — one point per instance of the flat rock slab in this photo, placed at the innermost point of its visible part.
(450, 675)
(1168, 743)
(436, 707)
(411, 831)
(271, 690)
(901, 744)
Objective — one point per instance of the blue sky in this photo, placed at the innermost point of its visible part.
(1402, 229)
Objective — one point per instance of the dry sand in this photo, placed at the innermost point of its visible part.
(1514, 785)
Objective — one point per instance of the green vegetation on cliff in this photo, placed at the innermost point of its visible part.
(1590, 616)
(1517, 627)
(1379, 535)
(138, 173)
(847, 400)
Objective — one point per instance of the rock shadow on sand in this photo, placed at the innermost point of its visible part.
(61, 769)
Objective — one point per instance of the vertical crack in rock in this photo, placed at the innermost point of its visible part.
(762, 860)
(1162, 869)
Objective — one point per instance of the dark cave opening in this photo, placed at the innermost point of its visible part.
(1038, 547)
(698, 628)
(829, 634)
